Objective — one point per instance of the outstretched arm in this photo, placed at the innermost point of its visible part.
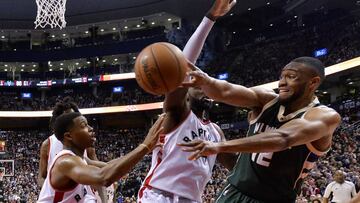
(317, 124)
(175, 102)
(232, 94)
(75, 169)
(93, 160)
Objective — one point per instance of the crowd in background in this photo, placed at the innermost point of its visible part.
(23, 146)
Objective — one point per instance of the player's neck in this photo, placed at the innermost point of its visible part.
(298, 104)
(79, 152)
(199, 114)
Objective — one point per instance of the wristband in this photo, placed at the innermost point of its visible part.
(210, 16)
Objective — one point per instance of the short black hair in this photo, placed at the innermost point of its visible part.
(314, 64)
(63, 123)
(60, 107)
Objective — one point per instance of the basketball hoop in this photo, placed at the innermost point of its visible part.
(50, 12)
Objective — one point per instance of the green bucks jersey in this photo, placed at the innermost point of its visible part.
(275, 176)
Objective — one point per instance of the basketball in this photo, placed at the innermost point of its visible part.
(160, 68)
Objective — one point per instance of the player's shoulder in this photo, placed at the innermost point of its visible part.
(65, 161)
(219, 130)
(324, 113)
(264, 95)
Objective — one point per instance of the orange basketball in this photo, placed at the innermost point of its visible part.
(160, 68)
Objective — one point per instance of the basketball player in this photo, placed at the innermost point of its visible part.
(173, 178)
(52, 146)
(69, 175)
(287, 133)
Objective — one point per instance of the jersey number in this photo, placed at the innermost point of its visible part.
(262, 159)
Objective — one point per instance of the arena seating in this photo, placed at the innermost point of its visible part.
(24, 146)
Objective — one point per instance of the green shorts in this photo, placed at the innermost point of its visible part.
(230, 194)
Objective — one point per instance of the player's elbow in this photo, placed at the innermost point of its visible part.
(105, 179)
(283, 141)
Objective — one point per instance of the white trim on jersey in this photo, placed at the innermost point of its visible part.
(266, 106)
(80, 193)
(171, 171)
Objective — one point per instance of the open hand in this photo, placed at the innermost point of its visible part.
(199, 148)
(152, 137)
(196, 77)
(221, 7)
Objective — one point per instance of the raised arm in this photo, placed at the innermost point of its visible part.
(75, 169)
(232, 94)
(175, 102)
(318, 123)
(43, 163)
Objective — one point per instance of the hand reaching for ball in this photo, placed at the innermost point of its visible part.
(221, 8)
(198, 78)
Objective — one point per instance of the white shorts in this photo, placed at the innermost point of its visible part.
(157, 196)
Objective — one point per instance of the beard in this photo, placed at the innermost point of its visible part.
(200, 105)
(296, 95)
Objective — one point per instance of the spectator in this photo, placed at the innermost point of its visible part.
(341, 191)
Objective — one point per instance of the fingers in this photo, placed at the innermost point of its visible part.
(188, 84)
(161, 145)
(232, 3)
(189, 144)
(193, 156)
(191, 66)
(196, 155)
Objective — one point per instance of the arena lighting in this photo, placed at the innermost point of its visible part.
(353, 63)
(158, 105)
(87, 111)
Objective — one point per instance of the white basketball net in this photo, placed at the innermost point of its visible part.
(50, 12)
